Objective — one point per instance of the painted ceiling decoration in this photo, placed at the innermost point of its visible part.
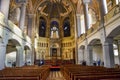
(57, 7)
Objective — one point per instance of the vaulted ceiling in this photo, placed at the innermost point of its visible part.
(61, 7)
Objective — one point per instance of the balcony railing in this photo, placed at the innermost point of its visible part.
(91, 30)
(13, 28)
(81, 38)
(114, 11)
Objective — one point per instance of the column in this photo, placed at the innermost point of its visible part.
(103, 7)
(19, 56)
(28, 55)
(2, 55)
(108, 54)
(89, 55)
(30, 25)
(103, 10)
(86, 2)
(80, 55)
(31, 57)
(4, 8)
(78, 25)
(22, 16)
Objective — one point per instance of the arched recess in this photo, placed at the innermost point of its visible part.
(114, 35)
(97, 53)
(66, 27)
(54, 49)
(42, 27)
(81, 54)
(11, 52)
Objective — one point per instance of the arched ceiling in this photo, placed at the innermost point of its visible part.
(61, 7)
(54, 8)
(58, 6)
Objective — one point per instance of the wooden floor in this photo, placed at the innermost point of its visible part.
(55, 75)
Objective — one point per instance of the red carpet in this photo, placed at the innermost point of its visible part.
(54, 68)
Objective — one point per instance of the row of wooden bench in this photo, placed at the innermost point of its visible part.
(78, 72)
(25, 73)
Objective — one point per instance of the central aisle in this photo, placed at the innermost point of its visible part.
(55, 75)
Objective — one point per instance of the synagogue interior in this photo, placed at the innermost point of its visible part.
(59, 39)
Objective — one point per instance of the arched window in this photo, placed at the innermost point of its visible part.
(54, 30)
(66, 27)
(42, 27)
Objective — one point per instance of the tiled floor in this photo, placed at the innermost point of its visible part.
(56, 75)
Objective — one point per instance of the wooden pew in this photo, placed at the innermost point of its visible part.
(25, 73)
(77, 72)
(98, 77)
